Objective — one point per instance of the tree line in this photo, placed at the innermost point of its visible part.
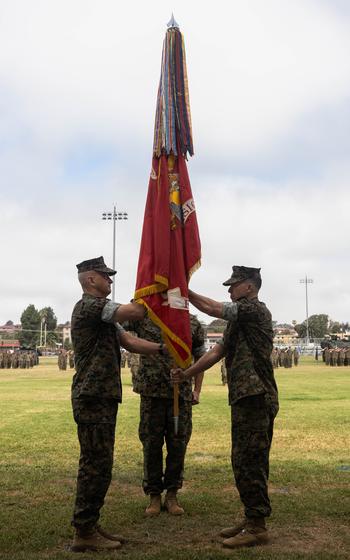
(39, 327)
(36, 322)
(320, 326)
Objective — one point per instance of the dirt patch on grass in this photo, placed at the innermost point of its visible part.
(118, 488)
(166, 533)
(318, 537)
(283, 489)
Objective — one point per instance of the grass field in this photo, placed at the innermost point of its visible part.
(309, 480)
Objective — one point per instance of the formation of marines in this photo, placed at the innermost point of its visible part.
(223, 372)
(285, 357)
(65, 358)
(336, 356)
(132, 361)
(18, 360)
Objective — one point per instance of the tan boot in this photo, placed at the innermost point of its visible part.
(92, 541)
(109, 536)
(233, 531)
(253, 534)
(154, 505)
(171, 504)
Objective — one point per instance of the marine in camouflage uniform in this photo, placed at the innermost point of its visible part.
(296, 356)
(223, 372)
(341, 356)
(71, 359)
(134, 361)
(327, 356)
(123, 359)
(247, 345)
(274, 357)
(96, 395)
(22, 360)
(152, 381)
(15, 360)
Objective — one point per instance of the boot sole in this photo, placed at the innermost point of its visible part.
(88, 548)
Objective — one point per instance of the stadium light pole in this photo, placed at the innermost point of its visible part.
(307, 281)
(114, 216)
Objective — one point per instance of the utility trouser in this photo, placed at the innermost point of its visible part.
(96, 439)
(157, 426)
(252, 430)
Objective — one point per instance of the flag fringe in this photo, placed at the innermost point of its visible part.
(148, 291)
(169, 337)
(193, 269)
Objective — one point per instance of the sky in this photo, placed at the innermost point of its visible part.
(269, 87)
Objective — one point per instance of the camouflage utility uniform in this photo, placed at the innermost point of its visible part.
(152, 382)
(223, 372)
(253, 398)
(134, 361)
(96, 393)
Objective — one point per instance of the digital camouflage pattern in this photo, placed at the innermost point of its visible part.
(252, 430)
(95, 471)
(96, 391)
(18, 359)
(248, 343)
(157, 425)
(134, 361)
(253, 396)
(241, 273)
(152, 381)
(153, 376)
(96, 352)
(95, 411)
(223, 372)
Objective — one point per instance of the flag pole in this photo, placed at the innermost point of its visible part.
(176, 408)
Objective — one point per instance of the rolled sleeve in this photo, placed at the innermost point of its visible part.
(108, 311)
(230, 311)
(119, 328)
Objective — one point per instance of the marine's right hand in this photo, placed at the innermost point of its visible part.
(177, 375)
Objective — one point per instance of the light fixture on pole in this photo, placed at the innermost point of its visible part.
(307, 281)
(115, 216)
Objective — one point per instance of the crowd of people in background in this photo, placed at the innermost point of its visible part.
(65, 357)
(285, 357)
(336, 356)
(18, 359)
(281, 357)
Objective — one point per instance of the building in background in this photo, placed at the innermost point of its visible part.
(64, 332)
(284, 335)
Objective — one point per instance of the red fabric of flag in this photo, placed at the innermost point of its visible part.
(170, 252)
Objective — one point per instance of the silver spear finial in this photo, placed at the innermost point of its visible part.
(173, 22)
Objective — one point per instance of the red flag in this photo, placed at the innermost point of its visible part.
(170, 246)
(170, 252)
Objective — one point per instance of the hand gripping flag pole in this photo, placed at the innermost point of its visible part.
(170, 246)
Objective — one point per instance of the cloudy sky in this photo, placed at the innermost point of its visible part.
(269, 89)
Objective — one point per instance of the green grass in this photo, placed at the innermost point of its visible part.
(309, 480)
